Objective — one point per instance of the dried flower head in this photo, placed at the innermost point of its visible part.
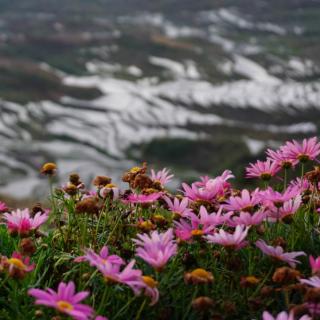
(49, 169)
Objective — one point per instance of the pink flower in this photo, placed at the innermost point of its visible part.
(289, 208)
(64, 300)
(177, 207)
(149, 287)
(282, 160)
(111, 191)
(282, 316)
(315, 264)
(101, 259)
(200, 193)
(18, 263)
(162, 176)
(246, 202)
(21, 222)
(263, 170)
(100, 318)
(202, 224)
(3, 207)
(279, 254)
(313, 281)
(157, 248)
(234, 240)
(142, 198)
(271, 198)
(308, 150)
(248, 219)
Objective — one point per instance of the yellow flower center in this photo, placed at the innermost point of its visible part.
(64, 306)
(17, 263)
(134, 169)
(149, 281)
(111, 185)
(201, 273)
(197, 232)
(252, 280)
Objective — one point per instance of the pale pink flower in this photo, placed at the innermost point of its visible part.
(279, 254)
(65, 300)
(315, 264)
(21, 222)
(235, 240)
(110, 190)
(248, 219)
(157, 248)
(200, 193)
(263, 170)
(309, 149)
(177, 207)
(245, 202)
(289, 208)
(313, 281)
(142, 198)
(282, 316)
(101, 259)
(162, 176)
(148, 286)
(271, 198)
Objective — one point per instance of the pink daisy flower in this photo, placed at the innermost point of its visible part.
(282, 316)
(21, 222)
(289, 208)
(245, 202)
(234, 240)
(315, 264)
(157, 248)
(195, 193)
(162, 176)
(263, 170)
(18, 263)
(142, 198)
(177, 207)
(202, 224)
(148, 286)
(64, 300)
(3, 207)
(248, 219)
(271, 198)
(101, 259)
(309, 149)
(279, 254)
(282, 160)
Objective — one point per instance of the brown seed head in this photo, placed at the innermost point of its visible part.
(285, 275)
(49, 169)
(202, 303)
(101, 181)
(27, 247)
(88, 205)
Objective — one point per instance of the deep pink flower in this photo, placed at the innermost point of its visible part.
(282, 316)
(263, 170)
(3, 207)
(247, 219)
(157, 248)
(64, 300)
(19, 263)
(177, 207)
(21, 222)
(309, 149)
(162, 176)
(142, 198)
(279, 254)
(235, 240)
(313, 281)
(245, 202)
(315, 264)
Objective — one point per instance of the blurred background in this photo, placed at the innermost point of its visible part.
(197, 86)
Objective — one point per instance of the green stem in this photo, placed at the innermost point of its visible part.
(138, 316)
